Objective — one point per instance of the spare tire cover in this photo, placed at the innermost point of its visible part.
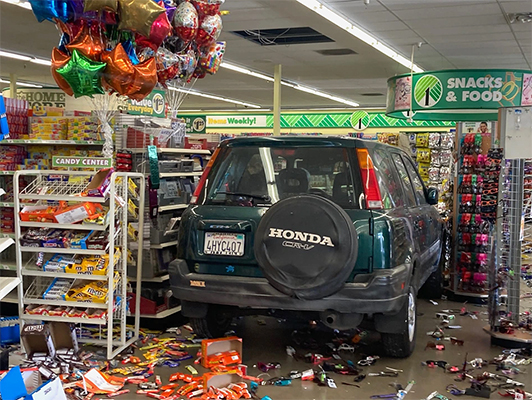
(307, 246)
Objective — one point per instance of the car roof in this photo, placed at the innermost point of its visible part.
(307, 141)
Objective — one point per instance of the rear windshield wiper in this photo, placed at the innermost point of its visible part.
(255, 196)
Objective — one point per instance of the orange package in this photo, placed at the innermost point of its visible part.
(72, 214)
(223, 351)
(38, 214)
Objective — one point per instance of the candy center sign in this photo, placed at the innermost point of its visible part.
(82, 162)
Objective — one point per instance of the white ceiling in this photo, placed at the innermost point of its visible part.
(455, 34)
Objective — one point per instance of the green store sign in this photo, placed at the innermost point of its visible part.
(460, 95)
(154, 105)
(357, 121)
(81, 162)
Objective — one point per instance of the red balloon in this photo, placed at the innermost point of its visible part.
(59, 60)
(208, 7)
(160, 29)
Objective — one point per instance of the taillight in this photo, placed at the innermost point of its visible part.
(369, 180)
(203, 179)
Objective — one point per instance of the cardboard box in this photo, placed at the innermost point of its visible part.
(27, 385)
(64, 336)
(219, 380)
(37, 339)
(211, 347)
(99, 184)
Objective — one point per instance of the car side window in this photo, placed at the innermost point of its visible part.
(405, 180)
(416, 180)
(391, 191)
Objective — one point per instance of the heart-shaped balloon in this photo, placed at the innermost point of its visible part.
(168, 65)
(209, 30)
(186, 21)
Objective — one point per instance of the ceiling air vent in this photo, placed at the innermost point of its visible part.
(336, 52)
(284, 36)
(372, 94)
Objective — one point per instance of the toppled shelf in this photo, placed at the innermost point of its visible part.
(5, 243)
(172, 207)
(162, 314)
(179, 174)
(157, 279)
(163, 245)
(7, 285)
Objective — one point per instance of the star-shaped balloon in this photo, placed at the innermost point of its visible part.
(83, 75)
(59, 60)
(144, 81)
(119, 72)
(98, 5)
(138, 15)
(88, 41)
(50, 9)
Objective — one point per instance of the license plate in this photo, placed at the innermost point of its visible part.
(224, 244)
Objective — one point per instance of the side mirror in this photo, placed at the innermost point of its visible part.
(432, 196)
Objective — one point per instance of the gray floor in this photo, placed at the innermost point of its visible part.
(267, 343)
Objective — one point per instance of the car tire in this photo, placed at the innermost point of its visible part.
(214, 325)
(401, 345)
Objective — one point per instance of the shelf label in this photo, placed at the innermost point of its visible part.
(82, 162)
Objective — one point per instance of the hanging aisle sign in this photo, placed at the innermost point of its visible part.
(460, 95)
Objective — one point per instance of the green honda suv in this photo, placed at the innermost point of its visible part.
(339, 230)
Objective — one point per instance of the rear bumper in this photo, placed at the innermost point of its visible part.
(383, 291)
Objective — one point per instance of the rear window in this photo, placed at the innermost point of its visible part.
(251, 176)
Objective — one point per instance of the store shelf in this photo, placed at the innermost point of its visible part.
(53, 142)
(7, 285)
(32, 272)
(162, 314)
(7, 172)
(175, 151)
(42, 189)
(164, 245)
(61, 251)
(517, 336)
(65, 303)
(10, 298)
(7, 204)
(8, 265)
(76, 227)
(7, 235)
(179, 174)
(157, 279)
(173, 207)
(71, 320)
(5, 243)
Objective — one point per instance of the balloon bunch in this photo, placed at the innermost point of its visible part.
(130, 46)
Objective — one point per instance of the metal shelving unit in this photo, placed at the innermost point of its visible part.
(34, 282)
(54, 142)
(179, 174)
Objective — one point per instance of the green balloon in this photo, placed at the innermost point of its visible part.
(83, 75)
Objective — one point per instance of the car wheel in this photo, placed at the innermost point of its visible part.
(401, 345)
(214, 325)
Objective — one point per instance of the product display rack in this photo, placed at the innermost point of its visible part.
(472, 226)
(34, 281)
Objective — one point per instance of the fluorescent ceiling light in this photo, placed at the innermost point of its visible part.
(242, 70)
(210, 96)
(41, 61)
(20, 3)
(15, 56)
(359, 33)
(22, 84)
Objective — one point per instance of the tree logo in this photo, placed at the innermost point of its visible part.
(428, 91)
